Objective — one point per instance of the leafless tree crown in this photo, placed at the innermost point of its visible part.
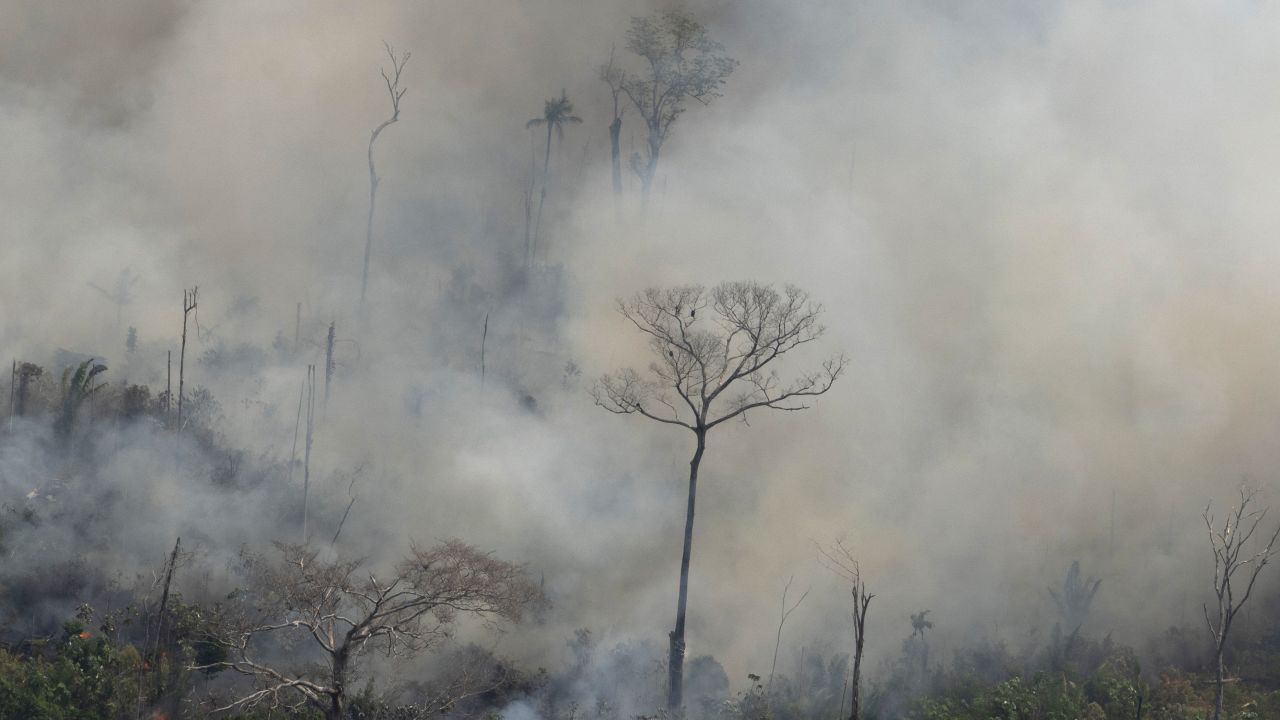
(342, 612)
(714, 351)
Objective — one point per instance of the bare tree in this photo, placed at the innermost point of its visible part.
(392, 79)
(841, 561)
(782, 620)
(682, 63)
(188, 306)
(709, 370)
(336, 611)
(1230, 557)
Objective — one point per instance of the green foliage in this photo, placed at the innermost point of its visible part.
(85, 679)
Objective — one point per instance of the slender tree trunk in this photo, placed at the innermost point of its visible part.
(1219, 680)
(615, 150)
(328, 363)
(306, 453)
(860, 632)
(546, 173)
(368, 228)
(646, 180)
(188, 304)
(675, 661)
(484, 338)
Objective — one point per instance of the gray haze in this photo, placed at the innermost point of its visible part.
(1043, 232)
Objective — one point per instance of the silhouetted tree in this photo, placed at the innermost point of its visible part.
(556, 113)
(840, 560)
(1074, 600)
(613, 75)
(1229, 557)
(714, 353)
(392, 79)
(682, 63)
(339, 611)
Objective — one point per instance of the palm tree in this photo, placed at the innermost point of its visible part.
(555, 114)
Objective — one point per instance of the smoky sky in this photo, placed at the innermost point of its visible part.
(1044, 234)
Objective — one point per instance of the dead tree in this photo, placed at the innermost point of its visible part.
(328, 363)
(306, 452)
(1229, 558)
(332, 613)
(841, 561)
(484, 338)
(709, 370)
(782, 620)
(395, 92)
(188, 305)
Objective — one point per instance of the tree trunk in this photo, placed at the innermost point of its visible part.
(646, 180)
(615, 141)
(675, 661)
(546, 172)
(368, 228)
(337, 708)
(1217, 695)
(857, 662)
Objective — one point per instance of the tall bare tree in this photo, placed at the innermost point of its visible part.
(188, 306)
(556, 113)
(395, 92)
(335, 611)
(1230, 557)
(681, 63)
(841, 561)
(714, 361)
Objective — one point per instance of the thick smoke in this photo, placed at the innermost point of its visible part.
(1039, 231)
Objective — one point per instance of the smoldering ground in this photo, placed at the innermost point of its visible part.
(1041, 232)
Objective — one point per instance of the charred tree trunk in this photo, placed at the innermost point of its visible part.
(861, 600)
(675, 661)
(306, 461)
(188, 304)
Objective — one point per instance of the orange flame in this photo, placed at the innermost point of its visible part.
(83, 636)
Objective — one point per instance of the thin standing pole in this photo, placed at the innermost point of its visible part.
(306, 462)
(188, 304)
(328, 363)
(484, 337)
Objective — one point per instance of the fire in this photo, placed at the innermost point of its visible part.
(83, 636)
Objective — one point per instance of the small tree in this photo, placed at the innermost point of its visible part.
(337, 612)
(841, 561)
(77, 387)
(682, 63)
(1230, 557)
(709, 370)
(392, 80)
(1075, 598)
